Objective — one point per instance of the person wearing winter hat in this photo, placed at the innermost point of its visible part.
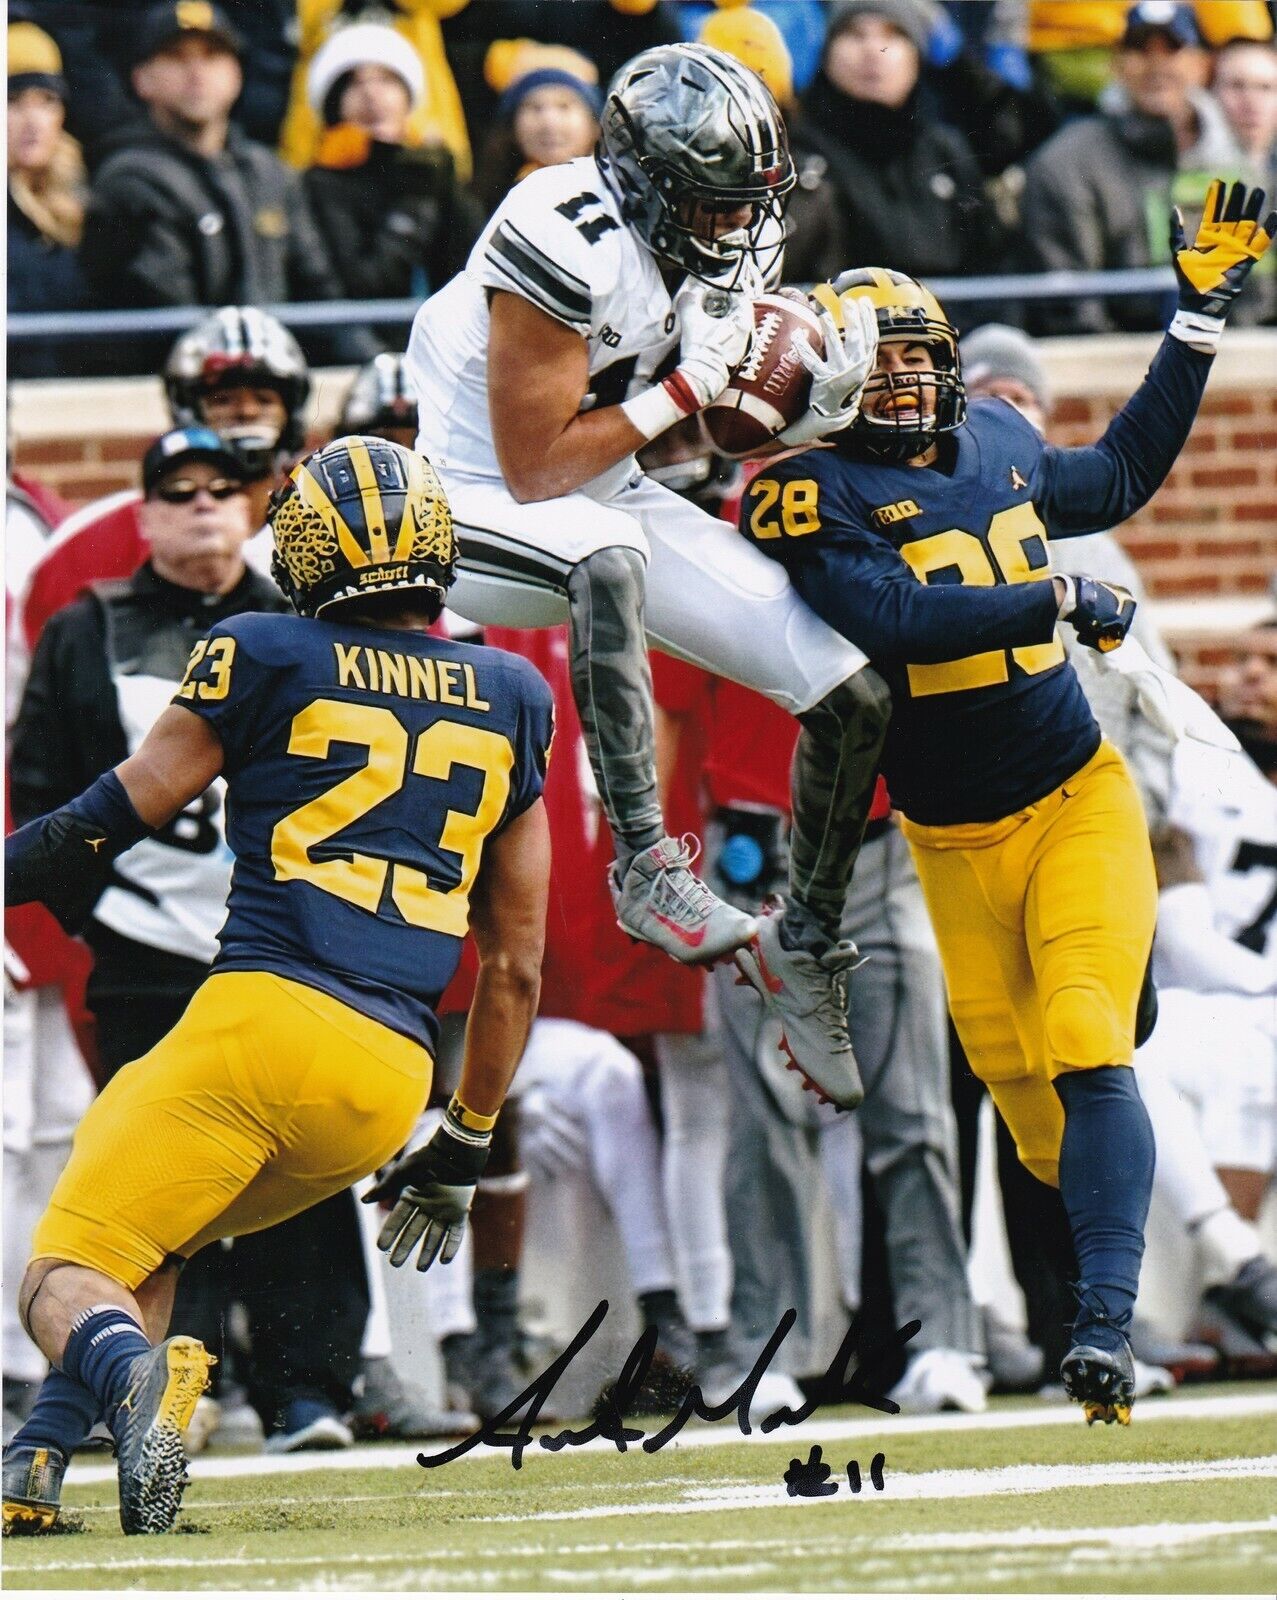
(548, 112)
(754, 39)
(394, 217)
(1003, 361)
(909, 185)
(46, 192)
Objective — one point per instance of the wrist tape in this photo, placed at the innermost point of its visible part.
(661, 406)
(1197, 330)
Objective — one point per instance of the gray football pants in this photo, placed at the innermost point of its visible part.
(897, 1022)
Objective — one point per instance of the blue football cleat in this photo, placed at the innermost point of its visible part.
(148, 1428)
(32, 1488)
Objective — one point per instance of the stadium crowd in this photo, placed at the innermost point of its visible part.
(251, 153)
(259, 152)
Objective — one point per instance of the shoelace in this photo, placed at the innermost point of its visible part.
(692, 894)
(1097, 1314)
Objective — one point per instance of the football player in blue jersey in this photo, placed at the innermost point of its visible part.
(384, 799)
(922, 533)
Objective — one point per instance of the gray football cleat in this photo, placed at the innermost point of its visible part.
(662, 902)
(32, 1488)
(808, 992)
(148, 1426)
(1102, 1381)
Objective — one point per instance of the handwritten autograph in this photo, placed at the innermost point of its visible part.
(835, 1387)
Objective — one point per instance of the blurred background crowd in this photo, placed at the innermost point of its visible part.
(274, 151)
(264, 152)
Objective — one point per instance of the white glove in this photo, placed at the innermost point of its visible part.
(715, 327)
(838, 378)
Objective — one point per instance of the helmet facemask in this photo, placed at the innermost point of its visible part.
(689, 133)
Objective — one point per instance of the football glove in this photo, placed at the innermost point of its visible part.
(1102, 613)
(838, 377)
(715, 328)
(433, 1189)
(1213, 270)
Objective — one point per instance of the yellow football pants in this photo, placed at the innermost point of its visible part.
(1045, 922)
(267, 1097)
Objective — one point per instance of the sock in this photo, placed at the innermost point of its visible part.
(713, 1348)
(103, 1345)
(1227, 1242)
(800, 929)
(63, 1413)
(496, 1307)
(1106, 1180)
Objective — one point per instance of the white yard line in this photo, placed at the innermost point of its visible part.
(1149, 1536)
(968, 1483)
(881, 1429)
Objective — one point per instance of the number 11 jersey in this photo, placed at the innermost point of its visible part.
(557, 240)
(365, 769)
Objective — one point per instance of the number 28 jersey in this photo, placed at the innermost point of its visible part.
(365, 769)
(557, 240)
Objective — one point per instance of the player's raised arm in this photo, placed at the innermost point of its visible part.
(64, 858)
(1097, 486)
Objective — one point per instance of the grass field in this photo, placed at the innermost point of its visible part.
(1024, 1499)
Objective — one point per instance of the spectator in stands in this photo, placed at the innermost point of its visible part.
(1244, 82)
(380, 403)
(437, 119)
(1098, 195)
(1248, 697)
(910, 186)
(394, 217)
(46, 192)
(547, 113)
(186, 210)
(816, 243)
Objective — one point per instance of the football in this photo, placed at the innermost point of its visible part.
(769, 388)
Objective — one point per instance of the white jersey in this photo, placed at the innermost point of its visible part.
(558, 240)
(1230, 810)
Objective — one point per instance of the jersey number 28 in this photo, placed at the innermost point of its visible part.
(392, 757)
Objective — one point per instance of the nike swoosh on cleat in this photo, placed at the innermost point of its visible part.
(692, 940)
(774, 984)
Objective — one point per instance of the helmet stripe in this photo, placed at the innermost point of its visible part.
(419, 475)
(370, 495)
(313, 495)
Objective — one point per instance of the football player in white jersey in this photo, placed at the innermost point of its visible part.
(606, 301)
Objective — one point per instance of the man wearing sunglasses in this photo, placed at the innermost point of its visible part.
(104, 667)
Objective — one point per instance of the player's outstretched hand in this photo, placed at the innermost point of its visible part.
(838, 377)
(433, 1189)
(1231, 239)
(1102, 613)
(715, 327)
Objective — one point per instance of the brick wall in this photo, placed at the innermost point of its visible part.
(1206, 545)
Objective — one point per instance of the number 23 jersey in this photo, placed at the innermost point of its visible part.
(365, 768)
(939, 578)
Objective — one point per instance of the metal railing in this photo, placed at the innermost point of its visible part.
(24, 327)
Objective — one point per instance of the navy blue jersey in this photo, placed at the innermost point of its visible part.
(938, 576)
(365, 767)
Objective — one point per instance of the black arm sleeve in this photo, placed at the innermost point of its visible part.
(1095, 487)
(865, 590)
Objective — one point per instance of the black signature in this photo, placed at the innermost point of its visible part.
(835, 1387)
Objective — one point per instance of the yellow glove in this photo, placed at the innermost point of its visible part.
(1229, 242)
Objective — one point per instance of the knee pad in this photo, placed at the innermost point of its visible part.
(617, 571)
(1083, 1028)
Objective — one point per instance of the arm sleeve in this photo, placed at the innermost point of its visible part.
(533, 738)
(1099, 485)
(224, 683)
(864, 590)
